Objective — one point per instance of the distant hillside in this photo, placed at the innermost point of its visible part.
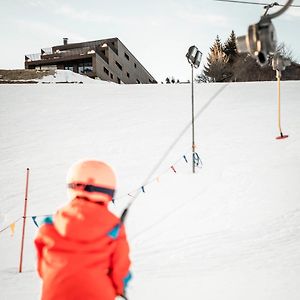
(292, 72)
(44, 76)
(23, 76)
(249, 70)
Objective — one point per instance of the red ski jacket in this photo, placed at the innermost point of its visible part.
(82, 253)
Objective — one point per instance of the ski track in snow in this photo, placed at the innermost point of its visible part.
(255, 247)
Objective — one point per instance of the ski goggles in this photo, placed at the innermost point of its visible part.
(91, 188)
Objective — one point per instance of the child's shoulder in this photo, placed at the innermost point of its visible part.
(46, 223)
(47, 220)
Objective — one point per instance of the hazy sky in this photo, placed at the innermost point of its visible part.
(157, 32)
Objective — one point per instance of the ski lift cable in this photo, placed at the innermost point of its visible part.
(124, 214)
(281, 11)
(164, 156)
(257, 3)
(16, 221)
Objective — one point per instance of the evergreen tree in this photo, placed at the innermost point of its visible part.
(216, 63)
(224, 63)
(217, 46)
(230, 48)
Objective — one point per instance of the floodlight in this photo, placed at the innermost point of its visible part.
(198, 59)
(191, 54)
(194, 56)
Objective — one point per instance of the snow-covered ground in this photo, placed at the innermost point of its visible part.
(231, 231)
(66, 76)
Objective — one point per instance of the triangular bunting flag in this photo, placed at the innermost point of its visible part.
(34, 221)
(12, 228)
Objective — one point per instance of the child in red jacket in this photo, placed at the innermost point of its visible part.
(83, 251)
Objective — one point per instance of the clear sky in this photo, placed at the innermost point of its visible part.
(157, 32)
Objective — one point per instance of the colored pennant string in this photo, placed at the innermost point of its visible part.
(196, 158)
(34, 221)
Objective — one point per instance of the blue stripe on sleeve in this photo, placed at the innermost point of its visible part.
(114, 232)
(127, 279)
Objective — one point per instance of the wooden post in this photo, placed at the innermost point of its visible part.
(24, 221)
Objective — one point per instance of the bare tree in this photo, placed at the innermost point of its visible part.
(285, 51)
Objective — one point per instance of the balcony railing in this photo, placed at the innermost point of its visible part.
(33, 57)
(58, 54)
(49, 54)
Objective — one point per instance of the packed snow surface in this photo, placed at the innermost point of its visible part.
(230, 231)
(66, 76)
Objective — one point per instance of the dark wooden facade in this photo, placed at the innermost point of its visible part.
(107, 59)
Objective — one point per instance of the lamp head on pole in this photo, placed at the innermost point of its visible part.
(194, 56)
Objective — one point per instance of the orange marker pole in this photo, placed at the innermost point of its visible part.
(278, 76)
(24, 221)
(279, 109)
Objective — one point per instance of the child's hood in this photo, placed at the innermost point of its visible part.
(84, 220)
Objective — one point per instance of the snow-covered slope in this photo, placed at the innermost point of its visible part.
(231, 231)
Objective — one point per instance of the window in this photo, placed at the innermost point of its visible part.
(128, 75)
(80, 68)
(137, 81)
(85, 67)
(119, 80)
(88, 69)
(126, 55)
(135, 65)
(105, 71)
(71, 68)
(119, 66)
(111, 76)
(49, 67)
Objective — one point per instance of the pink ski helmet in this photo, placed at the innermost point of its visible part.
(91, 179)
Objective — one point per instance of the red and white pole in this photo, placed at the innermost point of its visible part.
(24, 221)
